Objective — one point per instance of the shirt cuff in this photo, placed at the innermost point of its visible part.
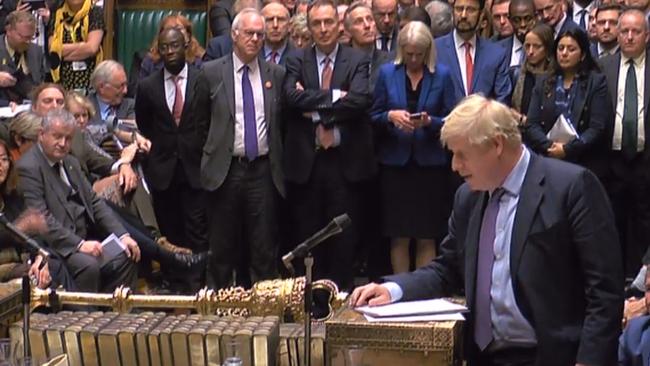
(336, 95)
(315, 117)
(395, 291)
(79, 245)
(116, 166)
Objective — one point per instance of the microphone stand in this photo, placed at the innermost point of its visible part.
(308, 299)
(26, 294)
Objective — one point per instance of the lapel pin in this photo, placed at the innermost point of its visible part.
(268, 85)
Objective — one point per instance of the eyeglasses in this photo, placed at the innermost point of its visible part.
(249, 34)
(466, 9)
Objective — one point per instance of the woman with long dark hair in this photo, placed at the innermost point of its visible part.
(576, 90)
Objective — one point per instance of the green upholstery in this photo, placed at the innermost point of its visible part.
(135, 30)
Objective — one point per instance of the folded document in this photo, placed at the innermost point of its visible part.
(422, 310)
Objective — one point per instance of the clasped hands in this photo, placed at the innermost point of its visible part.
(403, 121)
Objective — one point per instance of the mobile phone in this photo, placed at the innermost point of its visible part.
(35, 4)
(415, 116)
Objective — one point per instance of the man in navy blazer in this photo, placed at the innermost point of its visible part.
(486, 62)
(532, 241)
(552, 13)
(634, 345)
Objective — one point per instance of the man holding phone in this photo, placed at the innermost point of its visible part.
(22, 64)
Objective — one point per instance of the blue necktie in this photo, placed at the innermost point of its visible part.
(250, 127)
(582, 14)
(482, 317)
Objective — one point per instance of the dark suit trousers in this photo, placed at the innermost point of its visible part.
(326, 195)
(243, 221)
(90, 277)
(180, 211)
(141, 204)
(628, 185)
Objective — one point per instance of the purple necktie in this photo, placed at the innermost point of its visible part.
(250, 127)
(482, 317)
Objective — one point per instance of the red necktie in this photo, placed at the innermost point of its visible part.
(327, 74)
(469, 67)
(178, 100)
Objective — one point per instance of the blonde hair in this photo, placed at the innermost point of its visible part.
(417, 34)
(481, 120)
(85, 103)
(25, 125)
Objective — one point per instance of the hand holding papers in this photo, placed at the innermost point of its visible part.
(408, 311)
(112, 246)
(562, 131)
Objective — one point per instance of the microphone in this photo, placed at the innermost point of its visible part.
(22, 237)
(337, 225)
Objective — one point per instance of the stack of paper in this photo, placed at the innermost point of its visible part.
(414, 311)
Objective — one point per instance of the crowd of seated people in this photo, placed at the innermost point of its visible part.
(232, 152)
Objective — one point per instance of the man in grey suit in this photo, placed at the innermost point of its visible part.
(241, 163)
(22, 65)
(52, 182)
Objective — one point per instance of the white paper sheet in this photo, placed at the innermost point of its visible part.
(408, 308)
(6, 112)
(416, 318)
(562, 131)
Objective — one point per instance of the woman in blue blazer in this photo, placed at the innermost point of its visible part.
(412, 95)
(578, 90)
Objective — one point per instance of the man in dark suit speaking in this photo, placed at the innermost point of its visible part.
(534, 244)
(52, 182)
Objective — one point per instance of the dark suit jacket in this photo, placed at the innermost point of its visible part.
(97, 127)
(221, 17)
(170, 143)
(37, 72)
(94, 163)
(610, 67)
(220, 130)
(569, 24)
(634, 347)
(490, 69)
(378, 58)
(591, 115)
(46, 192)
(348, 113)
(396, 147)
(565, 263)
(218, 47)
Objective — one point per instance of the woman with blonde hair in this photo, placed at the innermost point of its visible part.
(76, 29)
(412, 95)
(23, 131)
(193, 53)
(299, 33)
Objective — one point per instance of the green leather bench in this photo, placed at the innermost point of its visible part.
(135, 30)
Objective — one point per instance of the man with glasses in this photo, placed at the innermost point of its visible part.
(477, 65)
(522, 17)
(552, 13)
(385, 13)
(241, 166)
(22, 65)
(606, 30)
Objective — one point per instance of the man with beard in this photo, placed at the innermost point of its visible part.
(477, 65)
(522, 17)
(606, 30)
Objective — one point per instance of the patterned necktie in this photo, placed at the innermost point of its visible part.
(469, 67)
(630, 114)
(326, 78)
(273, 58)
(250, 126)
(177, 109)
(482, 317)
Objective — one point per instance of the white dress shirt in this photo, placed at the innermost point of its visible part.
(577, 13)
(639, 69)
(517, 52)
(460, 55)
(258, 96)
(170, 86)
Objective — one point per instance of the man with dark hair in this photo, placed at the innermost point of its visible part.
(522, 17)
(328, 142)
(22, 63)
(606, 30)
(500, 20)
(477, 65)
